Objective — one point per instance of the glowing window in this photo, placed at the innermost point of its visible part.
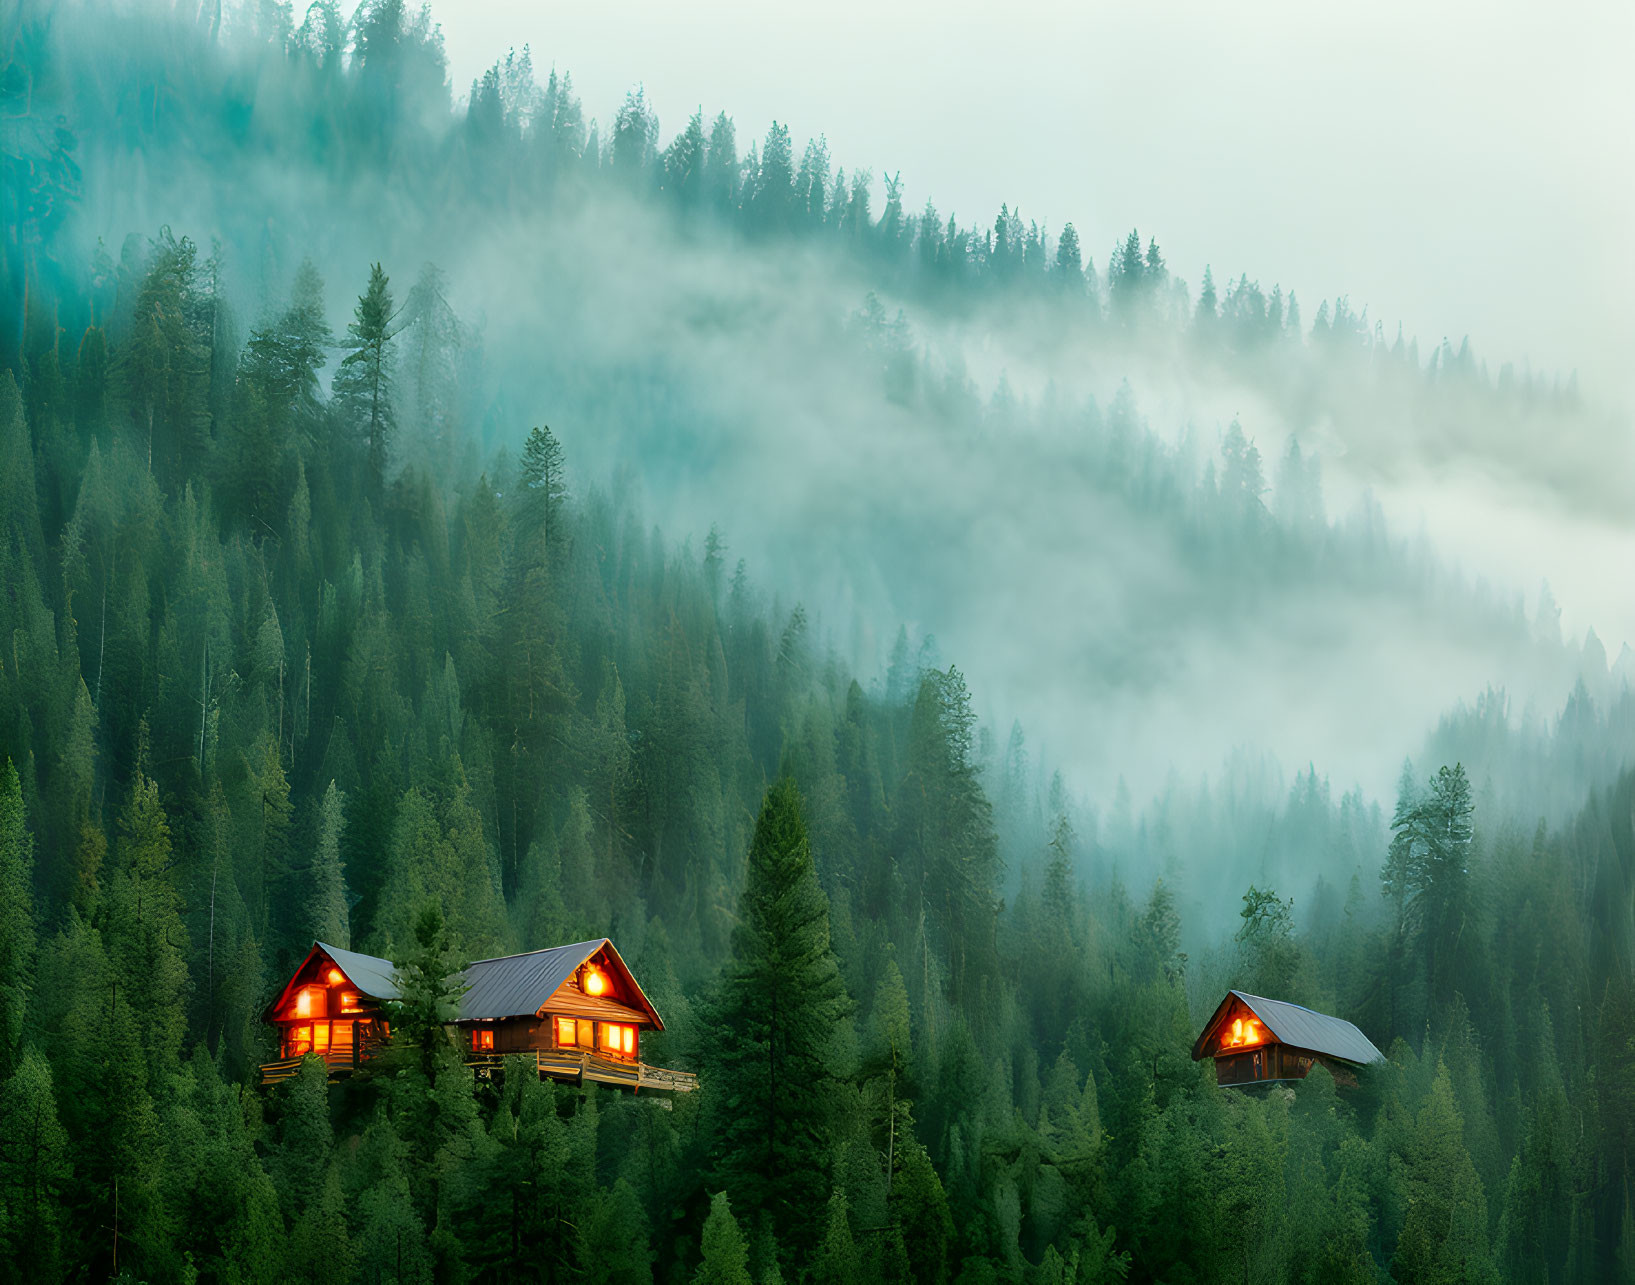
(482, 1037)
(320, 1038)
(349, 1002)
(1243, 1033)
(336, 977)
(618, 1038)
(566, 1032)
(586, 1033)
(595, 981)
(299, 1040)
(309, 1002)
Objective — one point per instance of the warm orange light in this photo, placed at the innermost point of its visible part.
(482, 1038)
(1243, 1033)
(566, 1032)
(618, 1038)
(336, 977)
(595, 982)
(349, 1002)
(303, 1004)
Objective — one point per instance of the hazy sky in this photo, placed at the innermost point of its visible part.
(1461, 167)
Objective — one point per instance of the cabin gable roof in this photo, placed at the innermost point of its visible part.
(1298, 1027)
(508, 986)
(371, 977)
(517, 985)
(524, 985)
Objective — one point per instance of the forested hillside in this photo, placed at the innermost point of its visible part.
(311, 623)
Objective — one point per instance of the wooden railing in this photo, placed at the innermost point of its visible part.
(577, 1064)
(286, 1068)
(559, 1064)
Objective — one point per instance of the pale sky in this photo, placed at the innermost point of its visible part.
(1461, 167)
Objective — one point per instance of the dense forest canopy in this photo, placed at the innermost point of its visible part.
(312, 623)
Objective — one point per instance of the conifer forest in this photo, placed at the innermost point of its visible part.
(444, 522)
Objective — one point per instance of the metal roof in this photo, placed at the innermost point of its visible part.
(1300, 1027)
(517, 985)
(508, 986)
(375, 977)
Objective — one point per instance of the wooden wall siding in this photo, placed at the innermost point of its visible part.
(1278, 1062)
(577, 1004)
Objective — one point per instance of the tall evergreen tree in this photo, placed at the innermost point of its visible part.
(1444, 1232)
(725, 1255)
(34, 1171)
(1427, 872)
(329, 916)
(364, 381)
(17, 928)
(772, 1061)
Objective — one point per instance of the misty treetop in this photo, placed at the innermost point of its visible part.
(241, 719)
(315, 629)
(796, 368)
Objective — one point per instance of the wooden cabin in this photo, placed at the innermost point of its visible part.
(1255, 1040)
(576, 1009)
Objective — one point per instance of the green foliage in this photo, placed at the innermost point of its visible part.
(1267, 938)
(364, 381)
(1427, 872)
(725, 1254)
(17, 939)
(1444, 1232)
(34, 1171)
(328, 914)
(279, 666)
(771, 1062)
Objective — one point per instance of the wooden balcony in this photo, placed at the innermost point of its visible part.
(341, 1062)
(582, 1067)
(569, 1065)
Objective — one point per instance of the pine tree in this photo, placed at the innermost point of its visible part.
(947, 851)
(305, 1137)
(34, 1169)
(1444, 1231)
(1266, 937)
(919, 1207)
(635, 137)
(544, 488)
(17, 935)
(1207, 314)
(725, 1254)
(1069, 261)
(328, 905)
(1427, 872)
(836, 1261)
(613, 1247)
(770, 1067)
(146, 938)
(364, 381)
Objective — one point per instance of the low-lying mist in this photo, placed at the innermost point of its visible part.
(1154, 548)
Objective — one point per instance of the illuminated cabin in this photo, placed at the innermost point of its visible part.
(576, 1009)
(1257, 1041)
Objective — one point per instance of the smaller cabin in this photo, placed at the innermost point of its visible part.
(577, 1010)
(1255, 1040)
(333, 1006)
